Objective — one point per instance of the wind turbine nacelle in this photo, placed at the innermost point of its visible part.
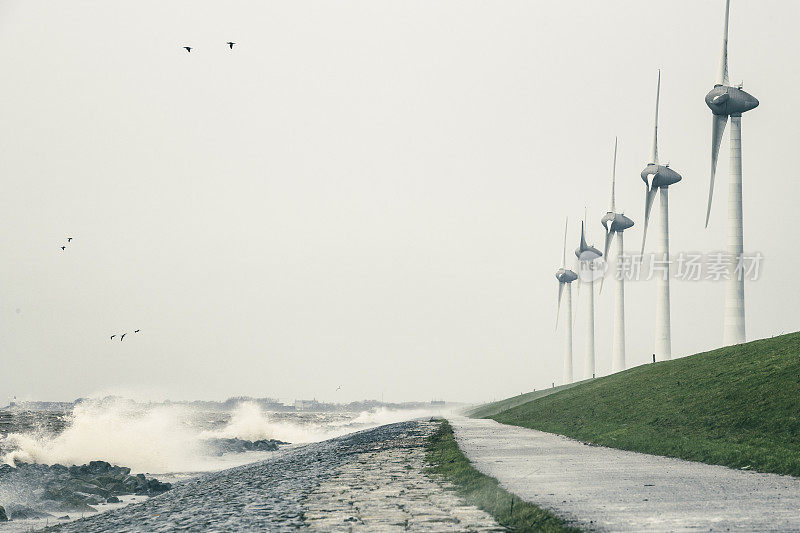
(659, 176)
(564, 275)
(616, 222)
(725, 100)
(588, 253)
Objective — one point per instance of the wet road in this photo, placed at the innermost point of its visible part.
(615, 490)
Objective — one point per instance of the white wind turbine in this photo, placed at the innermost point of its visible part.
(614, 224)
(657, 179)
(586, 256)
(725, 100)
(565, 278)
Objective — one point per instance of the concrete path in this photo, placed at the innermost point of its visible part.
(614, 490)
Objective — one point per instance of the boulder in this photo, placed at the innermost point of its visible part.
(75, 504)
(3, 517)
(154, 486)
(113, 499)
(78, 487)
(99, 467)
(222, 446)
(25, 513)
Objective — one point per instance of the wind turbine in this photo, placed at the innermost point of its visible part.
(586, 255)
(565, 277)
(725, 100)
(658, 178)
(615, 223)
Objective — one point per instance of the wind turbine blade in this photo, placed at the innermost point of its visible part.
(722, 76)
(648, 204)
(614, 177)
(579, 281)
(602, 281)
(564, 254)
(583, 234)
(558, 309)
(654, 148)
(609, 239)
(717, 130)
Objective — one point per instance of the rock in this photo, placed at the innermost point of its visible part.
(77, 487)
(3, 517)
(113, 499)
(222, 446)
(26, 513)
(153, 486)
(99, 467)
(76, 504)
(91, 499)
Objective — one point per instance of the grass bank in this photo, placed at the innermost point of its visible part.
(737, 406)
(484, 492)
(490, 409)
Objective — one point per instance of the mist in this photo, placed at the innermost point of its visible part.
(362, 199)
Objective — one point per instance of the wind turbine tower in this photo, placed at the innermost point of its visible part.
(586, 256)
(658, 178)
(565, 278)
(724, 101)
(615, 223)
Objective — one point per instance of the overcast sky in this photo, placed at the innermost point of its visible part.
(364, 193)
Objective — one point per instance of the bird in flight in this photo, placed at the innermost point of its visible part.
(63, 247)
(229, 43)
(137, 331)
(69, 239)
(188, 48)
(339, 387)
(112, 337)
(123, 336)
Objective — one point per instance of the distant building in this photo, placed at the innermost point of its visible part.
(306, 405)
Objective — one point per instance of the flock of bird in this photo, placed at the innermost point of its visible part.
(122, 337)
(190, 48)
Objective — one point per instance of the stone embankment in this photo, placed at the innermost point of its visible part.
(373, 480)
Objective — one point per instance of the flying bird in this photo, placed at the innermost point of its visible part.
(188, 48)
(123, 336)
(112, 337)
(339, 387)
(137, 331)
(63, 247)
(230, 44)
(69, 239)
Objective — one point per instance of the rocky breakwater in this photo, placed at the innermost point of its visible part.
(373, 480)
(35, 490)
(234, 445)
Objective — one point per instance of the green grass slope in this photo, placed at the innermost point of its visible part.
(737, 406)
(490, 409)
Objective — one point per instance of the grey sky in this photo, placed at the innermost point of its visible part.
(364, 193)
